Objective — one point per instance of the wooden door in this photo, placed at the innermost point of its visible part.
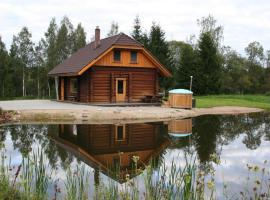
(121, 85)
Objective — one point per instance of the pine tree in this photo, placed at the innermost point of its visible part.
(80, 37)
(209, 67)
(160, 49)
(186, 62)
(50, 45)
(65, 40)
(137, 33)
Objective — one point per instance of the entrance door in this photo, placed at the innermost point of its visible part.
(121, 89)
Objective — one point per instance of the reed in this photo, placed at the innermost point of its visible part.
(31, 180)
(77, 184)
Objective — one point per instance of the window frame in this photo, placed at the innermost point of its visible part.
(136, 53)
(123, 134)
(114, 55)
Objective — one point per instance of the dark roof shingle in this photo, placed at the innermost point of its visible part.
(77, 61)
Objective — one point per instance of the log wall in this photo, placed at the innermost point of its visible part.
(98, 84)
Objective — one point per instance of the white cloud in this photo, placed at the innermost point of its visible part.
(244, 21)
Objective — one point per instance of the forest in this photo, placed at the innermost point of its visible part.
(215, 67)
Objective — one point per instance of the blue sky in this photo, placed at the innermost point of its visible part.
(244, 21)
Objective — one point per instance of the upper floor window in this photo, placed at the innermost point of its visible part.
(73, 85)
(133, 56)
(117, 55)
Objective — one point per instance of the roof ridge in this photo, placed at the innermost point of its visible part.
(100, 40)
(123, 34)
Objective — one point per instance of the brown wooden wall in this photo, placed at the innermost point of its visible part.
(140, 82)
(98, 84)
(142, 60)
(100, 139)
(84, 88)
(99, 142)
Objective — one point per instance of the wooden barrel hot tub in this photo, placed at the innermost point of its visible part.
(180, 127)
(180, 98)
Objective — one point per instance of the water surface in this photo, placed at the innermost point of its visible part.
(236, 140)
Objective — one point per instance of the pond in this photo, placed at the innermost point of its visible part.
(230, 154)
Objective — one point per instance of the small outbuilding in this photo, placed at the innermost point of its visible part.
(110, 70)
(180, 98)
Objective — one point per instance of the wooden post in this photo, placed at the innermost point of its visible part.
(129, 87)
(62, 98)
(112, 87)
(56, 79)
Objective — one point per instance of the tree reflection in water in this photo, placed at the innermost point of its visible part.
(209, 135)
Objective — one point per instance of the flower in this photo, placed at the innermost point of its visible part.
(135, 158)
(127, 177)
(210, 185)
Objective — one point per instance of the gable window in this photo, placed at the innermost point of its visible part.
(133, 56)
(117, 55)
(73, 85)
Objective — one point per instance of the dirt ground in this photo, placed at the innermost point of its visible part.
(46, 111)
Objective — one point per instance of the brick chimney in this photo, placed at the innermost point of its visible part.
(97, 37)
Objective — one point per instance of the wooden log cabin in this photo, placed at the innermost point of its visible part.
(107, 146)
(111, 70)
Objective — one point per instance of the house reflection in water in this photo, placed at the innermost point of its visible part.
(180, 128)
(106, 147)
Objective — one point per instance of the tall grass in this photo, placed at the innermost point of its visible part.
(170, 181)
(77, 184)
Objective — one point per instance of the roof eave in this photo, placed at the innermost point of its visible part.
(62, 74)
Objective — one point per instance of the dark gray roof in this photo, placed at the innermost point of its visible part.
(77, 61)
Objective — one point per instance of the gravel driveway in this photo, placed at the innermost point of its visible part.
(39, 105)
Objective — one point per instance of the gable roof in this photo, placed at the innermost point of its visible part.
(81, 60)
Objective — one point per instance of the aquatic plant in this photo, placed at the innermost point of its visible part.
(172, 181)
(77, 184)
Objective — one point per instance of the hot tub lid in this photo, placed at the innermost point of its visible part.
(180, 91)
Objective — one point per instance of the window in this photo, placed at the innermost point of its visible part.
(120, 87)
(120, 133)
(133, 56)
(73, 85)
(117, 55)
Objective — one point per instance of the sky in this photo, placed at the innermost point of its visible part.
(244, 21)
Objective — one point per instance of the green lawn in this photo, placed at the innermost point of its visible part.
(256, 101)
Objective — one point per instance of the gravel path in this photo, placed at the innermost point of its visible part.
(38, 105)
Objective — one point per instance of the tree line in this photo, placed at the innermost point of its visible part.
(215, 68)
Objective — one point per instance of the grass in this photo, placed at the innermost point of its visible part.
(255, 101)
